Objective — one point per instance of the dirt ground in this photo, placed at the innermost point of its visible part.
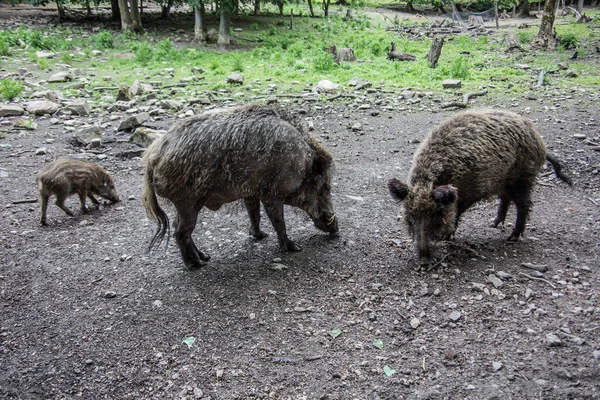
(87, 313)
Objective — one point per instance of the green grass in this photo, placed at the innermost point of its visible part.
(299, 55)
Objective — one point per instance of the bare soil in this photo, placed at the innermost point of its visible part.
(87, 313)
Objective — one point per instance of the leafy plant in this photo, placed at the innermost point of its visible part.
(238, 63)
(143, 54)
(9, 89)
(4, 47)
(459, 68)
(525, 37)
(568, 41)
(43, 63)
(104, 40)
(323, 62)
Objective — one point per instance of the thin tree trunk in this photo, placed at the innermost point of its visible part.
(257, 7)
(326, 8)
(224, 25)
(523, 9)
(126, 23)
(200, 31)
(580, 6)
(545, 38)
(136, 18)
(280, 5)
(88, 8)
(61, 10)
(165, 11)
(310, 7)
(116, 13)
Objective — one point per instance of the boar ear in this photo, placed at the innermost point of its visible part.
(445, 195)
(398, 189)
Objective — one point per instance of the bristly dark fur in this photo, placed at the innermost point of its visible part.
(469, 157)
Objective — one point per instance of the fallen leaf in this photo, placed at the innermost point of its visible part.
(388, 371)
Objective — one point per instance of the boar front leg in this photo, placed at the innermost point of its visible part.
(275, 214)
(82, 197)
(185, 224)
(60, 202)
(44, 201)
(502, 210)
(253, 207)
(94, 200)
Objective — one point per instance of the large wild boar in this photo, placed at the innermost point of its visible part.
(255, 153)
(66, 177)
(470, 157)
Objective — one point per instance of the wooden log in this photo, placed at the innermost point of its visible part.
(345, 54)
(435, 51)
(396, 55)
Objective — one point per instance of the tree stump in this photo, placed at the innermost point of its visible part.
(435, 51)
(396, 55)
(512, 43)
(345, 54)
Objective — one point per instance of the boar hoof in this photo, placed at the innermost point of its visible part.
(259, 235)
(424, 261)
(194, 263)
(290, 245)
(513, 238)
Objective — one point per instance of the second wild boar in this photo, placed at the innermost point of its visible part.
(256, 153)
(469, 157)
(65, 177)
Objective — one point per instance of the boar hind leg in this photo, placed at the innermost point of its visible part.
(502, 210)
(275, 214)
(186, 222)
(60, 203)
(253, 207)
(44, 201)
(521, 195)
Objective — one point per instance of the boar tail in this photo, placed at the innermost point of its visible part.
(154, 211)
(558, 166)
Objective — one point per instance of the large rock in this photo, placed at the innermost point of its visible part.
(42, 107)
(8, 110)
(169, 104)
(235, 78)
(78, 107)
(451, 84)
(62, 76)
(51, 95)
(124, 93)
(136, 88)
(133, 121)
(85, 135)
(326, 86)
(144, 136)
(44, 54)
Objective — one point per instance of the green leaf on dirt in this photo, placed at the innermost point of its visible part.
(378, 343)
(335, 333)
(388, 371)
(189, 341)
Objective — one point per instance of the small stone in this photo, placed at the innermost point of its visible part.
(497, 282)
(78, 107)
(528, 293)
(497, 366)
(455, 316)
(596, 354)
(96, 142)
(563, 65)
(577, 340)
(470, 387)
(414, 323)
(364, 107)
(41, 107)
(479, 287)
(157, 303)
(580, 136)
(89, 361)
(356, 127)
(325, 86)
(133, 121)
(109, 294)
(41, 151)
(62, 76)
(220, 373)
(45, 54)
(571, 74)
(503, 275)
(552, 340)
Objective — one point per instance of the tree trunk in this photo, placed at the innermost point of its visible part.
(88, 8)
(116, 13)
(61, 10)
(523, 9)
(280, 5)
(435, 51)
(326, 8)
(136, 19)
(409, 6)
(126, 23)
(545, 38)
(257, 7)
(200, 31)
(310, 7)
(165, 10)
(580, 6)
(224, 25)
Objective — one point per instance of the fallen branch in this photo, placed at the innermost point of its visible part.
(539, 267)
(433, 266)
(593, 201)
(538, 279)
(23, 201)
(465, 101)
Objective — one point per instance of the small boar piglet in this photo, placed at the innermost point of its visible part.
(472, 156)
(255, 153)
(65, 177)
